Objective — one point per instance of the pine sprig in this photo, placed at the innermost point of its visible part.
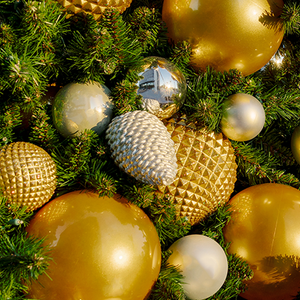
(291, 17)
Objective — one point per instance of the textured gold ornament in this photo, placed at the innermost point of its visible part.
(224, 34)
(142, 147)
(295, 144)
(94, 7)
(206, 171)
(27, 174)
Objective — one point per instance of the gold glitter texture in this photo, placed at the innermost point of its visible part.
(206, 171)
(27, 174)
(94, 7)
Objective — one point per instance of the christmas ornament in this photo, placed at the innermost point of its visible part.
(243, 117)
(295, 144)
(162, 86)
(264, 230)
(27, 174)
(94, 7)
(203, 264)
(206, 171)
(226, 35)
(142, 147)
(102, 248)
(79, 106)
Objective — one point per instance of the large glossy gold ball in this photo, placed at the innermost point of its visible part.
(295, 144)
(94, 7)
(80, 106)
(243, 117)
(224, 34)
(264, 230)
(102, 248)
(27, 175)
(206, 171)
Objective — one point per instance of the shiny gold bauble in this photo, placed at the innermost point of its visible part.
(243, 117)
(224, 34)
(162, 86)
(102, 248)
(295, 144)
(206, 171)
(94, 7)
(81, 106)
(27, 175)
(264, 230)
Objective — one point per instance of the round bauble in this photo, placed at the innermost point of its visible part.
(94, 7)
(226, 35)
(102, 248)
(162, 86)
(295, 144)
(27, 175)
(206, 171)
(203, 264)
(243, 117)
(264, 230)
(141, 146)
(79, 106)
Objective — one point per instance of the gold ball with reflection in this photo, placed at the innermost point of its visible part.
(224, 34)
(295, 144)
(243, 117)
(264, 230)
(102, 248)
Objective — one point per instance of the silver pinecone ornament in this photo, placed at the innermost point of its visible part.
(142, 147)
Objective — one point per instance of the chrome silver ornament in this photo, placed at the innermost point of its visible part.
(162, 86)
(142, 147)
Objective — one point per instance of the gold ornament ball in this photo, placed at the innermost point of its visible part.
(206, 171)
(94, 7)
(243, 117)
(224, 34)
(102, 248)
(295, 144)
(162, 86)
(80, 106)
(27, 175)
(264, 230)
(203, 264)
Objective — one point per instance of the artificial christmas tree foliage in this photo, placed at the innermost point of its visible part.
(42, 44)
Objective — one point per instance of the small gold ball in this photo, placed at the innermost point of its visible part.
(295, 144)
(243, 117)
(27, 175)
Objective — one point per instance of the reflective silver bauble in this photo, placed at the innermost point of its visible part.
(162, 86)
(243, 117)
(79, 106)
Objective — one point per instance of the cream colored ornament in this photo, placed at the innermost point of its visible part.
(206, 171)
(142, 147)
(94, 7)
(27, 174)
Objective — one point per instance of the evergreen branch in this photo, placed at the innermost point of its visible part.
(291, 17)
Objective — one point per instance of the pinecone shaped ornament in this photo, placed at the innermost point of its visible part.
(94, 7)
(142, 147)
(27, 175)
(206, 171)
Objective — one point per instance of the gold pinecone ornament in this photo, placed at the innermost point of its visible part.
(142, 147)
(27, 174)
(206, 171)
(94, 7)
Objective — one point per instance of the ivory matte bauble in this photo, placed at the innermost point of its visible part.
(295, 144)
(79, 106)
(203, 264)
(243, 117)
(162, 86)
(27, 175)
(102, 248)
(235, 34)
(264, 230)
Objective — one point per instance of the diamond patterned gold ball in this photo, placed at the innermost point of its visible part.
(206, 171)
(27, 175)
(94, 7)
